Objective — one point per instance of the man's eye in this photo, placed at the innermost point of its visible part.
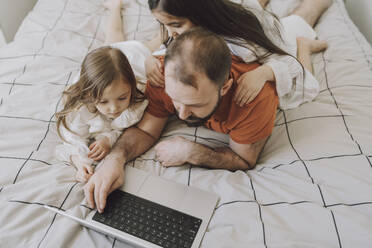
(103, 102)
(123, 98)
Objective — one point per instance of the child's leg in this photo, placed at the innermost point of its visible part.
(306, 47)
(263, 3)
(311, 10)
(114, 29)
(84, 171)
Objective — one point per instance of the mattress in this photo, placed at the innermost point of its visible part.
(312, 186)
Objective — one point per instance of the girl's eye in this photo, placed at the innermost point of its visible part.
(103, 102)
(122, 98)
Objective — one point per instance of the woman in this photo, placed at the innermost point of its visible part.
(253, 35)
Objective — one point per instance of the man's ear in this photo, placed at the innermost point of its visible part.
(226, 86)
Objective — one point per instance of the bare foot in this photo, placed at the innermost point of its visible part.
(112, 4)
(313, 46)
(84, 170)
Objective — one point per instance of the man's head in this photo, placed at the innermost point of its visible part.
(197, 68)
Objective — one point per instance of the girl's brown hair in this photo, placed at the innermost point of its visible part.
(99, 69)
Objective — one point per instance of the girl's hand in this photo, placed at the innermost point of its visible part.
(84, 172)
(154, 71)
(251, 83)
(112, 4)
(99, 149)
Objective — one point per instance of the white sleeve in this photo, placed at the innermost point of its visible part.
(286, 70)
(294, 84)
(76, 143)
(130, 116)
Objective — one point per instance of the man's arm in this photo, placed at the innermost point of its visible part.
(133, 142)
(235, 157)
(178, 150)
(137, 140)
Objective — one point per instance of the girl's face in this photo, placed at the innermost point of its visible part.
(115, 99)
(174, 25)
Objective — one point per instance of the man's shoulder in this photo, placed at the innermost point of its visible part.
(255, 120)
(160, 104)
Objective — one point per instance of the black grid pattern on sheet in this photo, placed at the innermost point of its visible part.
(12, 84)
(260, 206)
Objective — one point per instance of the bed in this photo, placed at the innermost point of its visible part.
(312, 186)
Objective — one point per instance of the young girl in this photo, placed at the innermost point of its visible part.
(248, 38)
(102, 103)
(104, 100)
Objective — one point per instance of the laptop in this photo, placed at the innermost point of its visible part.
(151, 211)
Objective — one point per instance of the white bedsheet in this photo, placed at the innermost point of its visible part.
(312, 186)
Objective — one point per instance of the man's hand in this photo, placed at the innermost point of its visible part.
(99, 149)
(106, 179)
(174, 151)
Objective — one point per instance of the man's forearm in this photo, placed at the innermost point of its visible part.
(131, 144)
(219, 158)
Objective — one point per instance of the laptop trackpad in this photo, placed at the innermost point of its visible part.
(163, 191)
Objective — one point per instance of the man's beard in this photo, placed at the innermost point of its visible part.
(194, 121)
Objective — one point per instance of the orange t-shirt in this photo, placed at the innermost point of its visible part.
(245, 125)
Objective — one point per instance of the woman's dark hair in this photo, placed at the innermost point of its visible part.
(235, 23)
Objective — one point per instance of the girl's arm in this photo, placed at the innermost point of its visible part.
(77, 140)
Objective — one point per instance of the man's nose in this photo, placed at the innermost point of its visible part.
(184, 112)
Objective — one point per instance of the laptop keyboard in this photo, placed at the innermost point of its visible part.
(148, 220)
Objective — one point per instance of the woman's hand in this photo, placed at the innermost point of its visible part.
(99, 149)
(251, 83)
(154, 71)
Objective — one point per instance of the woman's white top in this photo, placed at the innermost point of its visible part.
(89, 126)
(293, 87)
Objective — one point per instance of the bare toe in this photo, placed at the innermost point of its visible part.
(313, 46)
